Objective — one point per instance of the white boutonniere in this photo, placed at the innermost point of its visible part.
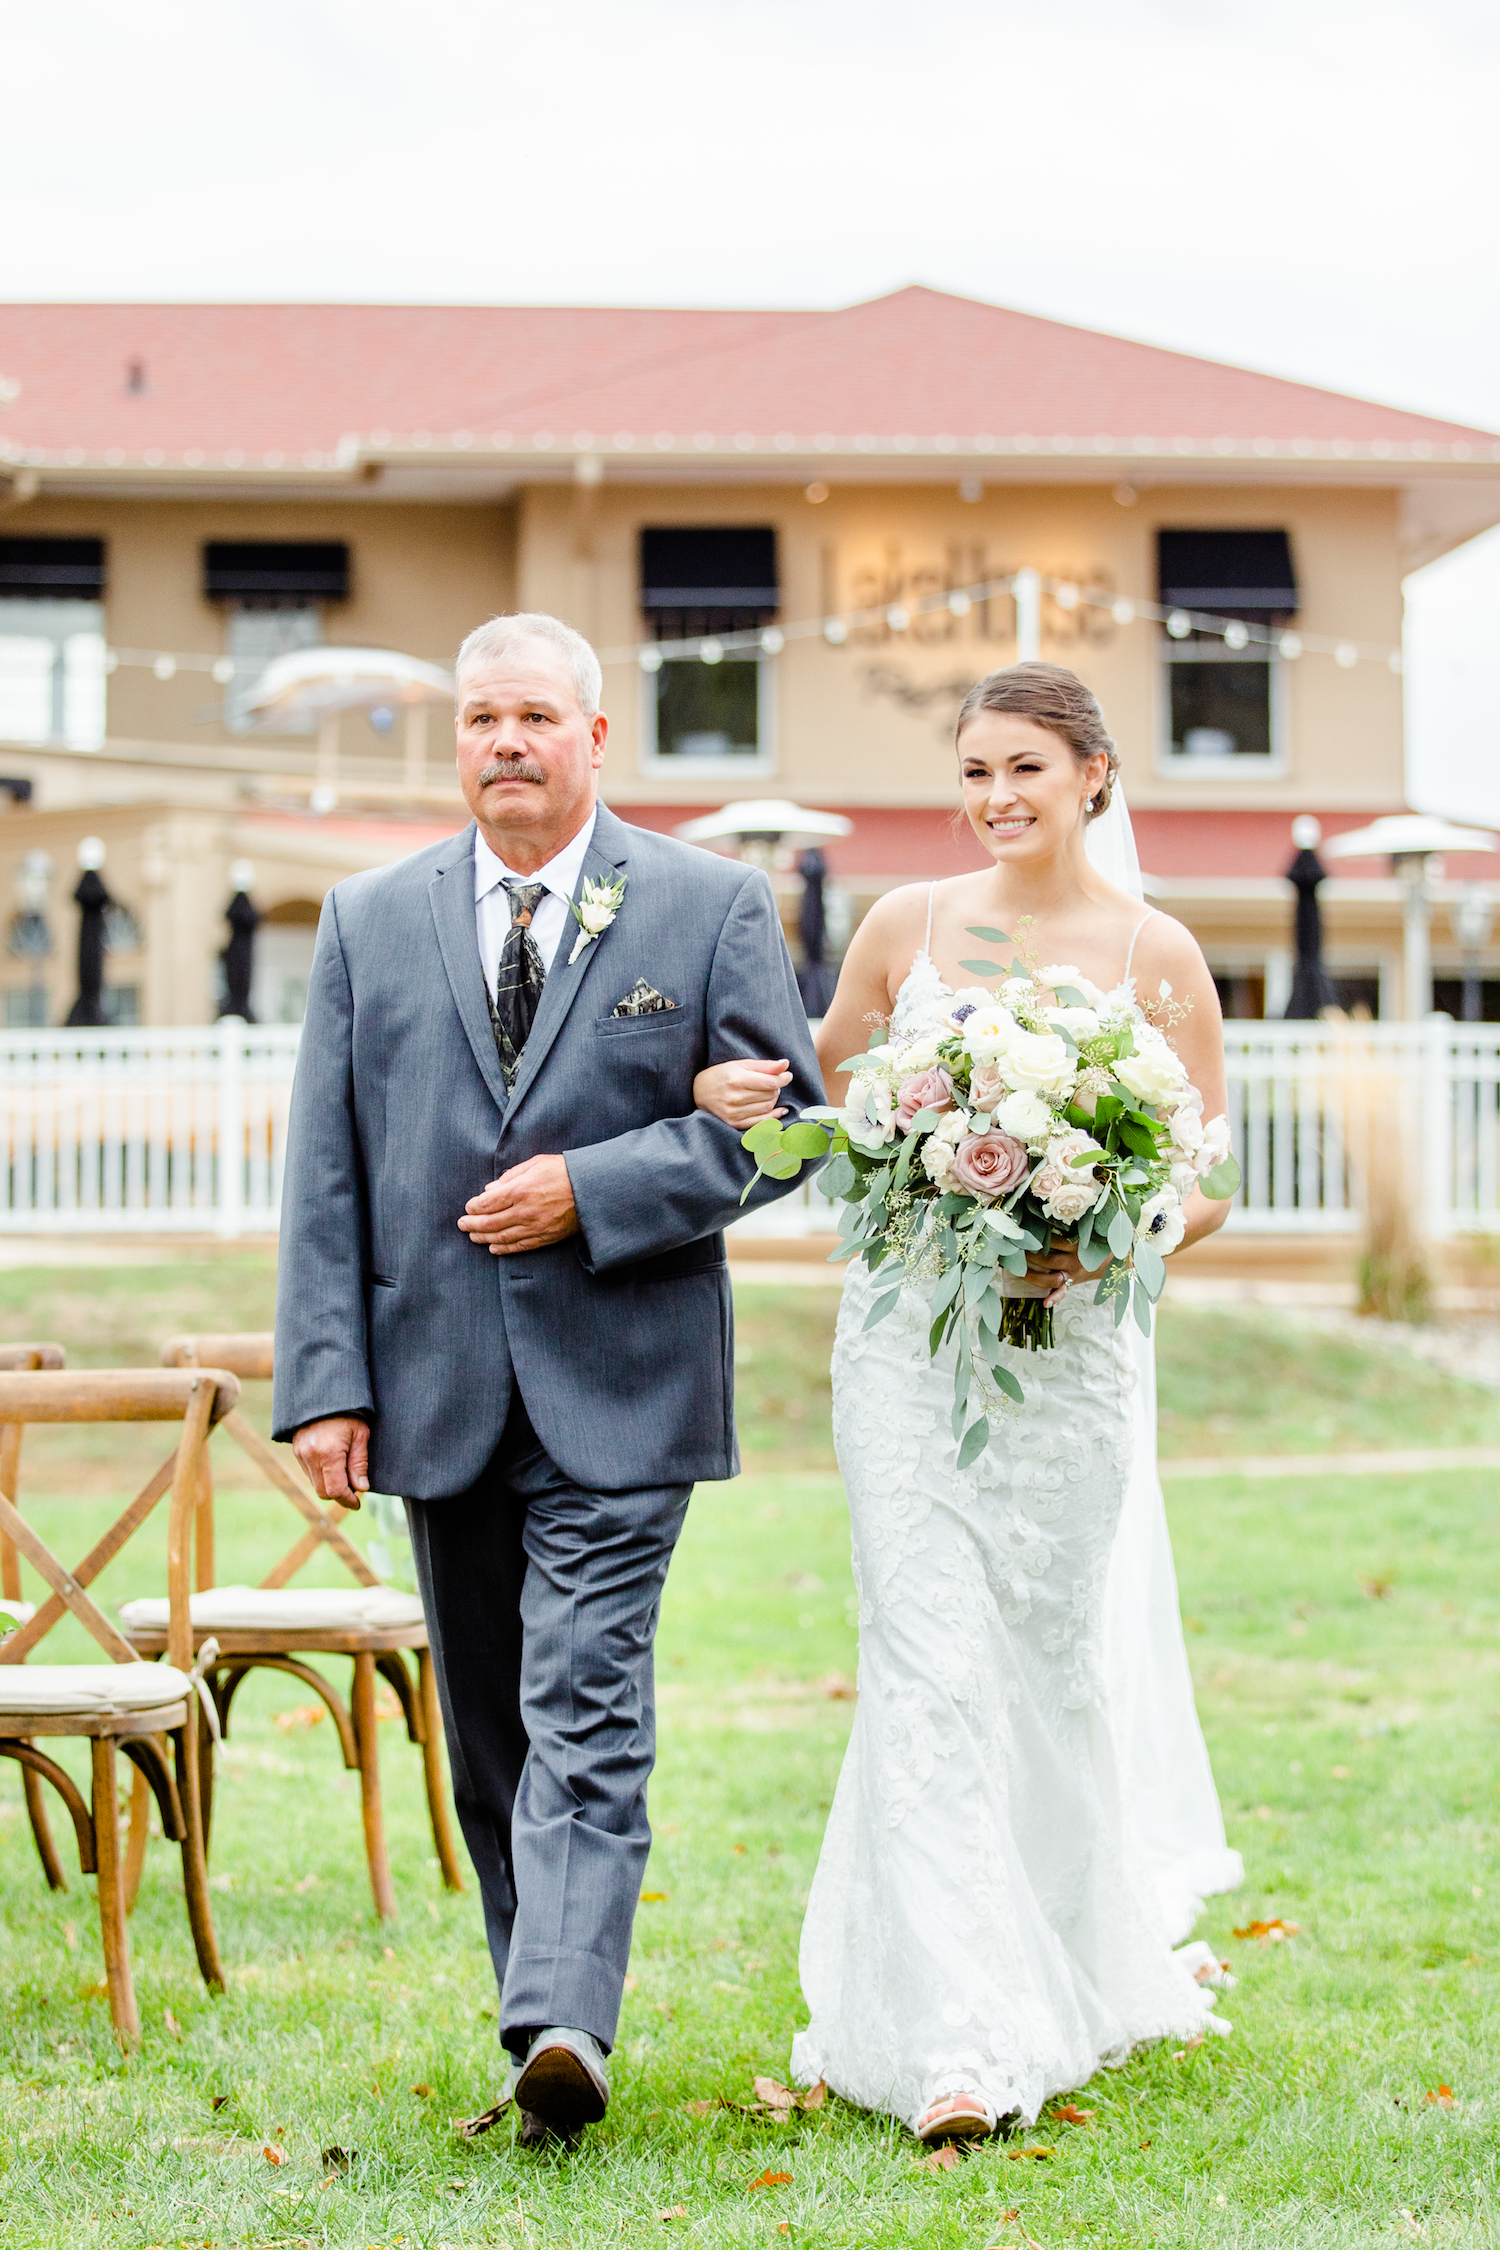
(594, 909)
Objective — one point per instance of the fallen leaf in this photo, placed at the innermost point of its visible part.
(1020, 2155)
(1183, 2052)
(705, 2109)
(338, 2159)
(653, 1898)
(837, 1688)
(940, 2159)
(273, 2155)
(775, 2098)
(388, 1953)
(1378, 1589)
(676, 2211)
(770, 2179)
(740, 1850)
(1068, 2115)
(470, 2128)
(815, 2096)
(171, 2023)
(422, 2090)
(301, 1715)
(784, 2226)
(1441, 2096)
(220, 2101)
(1269, 1933)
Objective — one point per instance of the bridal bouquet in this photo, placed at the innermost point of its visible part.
(1050, 1112)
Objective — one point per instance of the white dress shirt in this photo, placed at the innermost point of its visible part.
(492, 899)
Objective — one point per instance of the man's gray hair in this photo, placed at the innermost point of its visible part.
(498, 636)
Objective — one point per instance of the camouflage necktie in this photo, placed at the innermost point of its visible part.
(518, 980)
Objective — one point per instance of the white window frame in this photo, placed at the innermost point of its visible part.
(1244, 766)
(70, 682)
(656, 764)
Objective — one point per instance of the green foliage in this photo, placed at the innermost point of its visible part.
(1353, 1739)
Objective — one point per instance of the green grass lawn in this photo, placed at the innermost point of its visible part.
(1356, 1735)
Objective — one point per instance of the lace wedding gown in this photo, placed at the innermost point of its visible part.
(983, 1916)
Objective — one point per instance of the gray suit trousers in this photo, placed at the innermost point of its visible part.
(542, 1600)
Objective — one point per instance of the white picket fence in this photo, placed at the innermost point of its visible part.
(183, 1131)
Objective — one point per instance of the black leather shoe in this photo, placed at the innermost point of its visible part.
(563, 2081)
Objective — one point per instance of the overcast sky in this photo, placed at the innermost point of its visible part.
(1307, 188)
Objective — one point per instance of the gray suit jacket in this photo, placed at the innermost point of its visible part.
(620, 1340)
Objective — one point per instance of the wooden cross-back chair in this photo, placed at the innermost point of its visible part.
(25, 1359)
(150, 1711)
(277, 1627)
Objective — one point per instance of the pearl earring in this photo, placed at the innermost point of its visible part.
(1088, 804)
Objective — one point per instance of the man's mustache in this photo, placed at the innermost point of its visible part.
(511, 769)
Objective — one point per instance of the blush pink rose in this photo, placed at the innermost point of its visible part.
(925, 1089)
(987, 1089)
(987, 1165)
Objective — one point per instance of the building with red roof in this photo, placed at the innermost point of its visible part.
(836, 503)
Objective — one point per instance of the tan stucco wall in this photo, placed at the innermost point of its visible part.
(844, 736)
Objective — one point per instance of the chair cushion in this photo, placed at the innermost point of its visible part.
(285, 1609)
(87, 1688)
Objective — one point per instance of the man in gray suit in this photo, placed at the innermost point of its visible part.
(503, 1291)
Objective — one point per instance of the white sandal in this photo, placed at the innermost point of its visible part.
(972, 2119)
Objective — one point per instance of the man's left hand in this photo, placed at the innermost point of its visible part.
(525, 1209)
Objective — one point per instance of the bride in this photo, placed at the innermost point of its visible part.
(988, 1924)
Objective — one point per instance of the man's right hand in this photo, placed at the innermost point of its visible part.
(336, 1456)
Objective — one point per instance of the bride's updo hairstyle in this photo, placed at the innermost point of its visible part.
(1054, 698)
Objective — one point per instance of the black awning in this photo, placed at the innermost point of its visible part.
(51, 570)
(276, 573)
(1245, 574)
(711, 578)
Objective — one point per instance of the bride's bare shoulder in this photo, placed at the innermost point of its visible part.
(897, 921)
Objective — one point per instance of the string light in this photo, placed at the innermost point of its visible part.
(895, 617)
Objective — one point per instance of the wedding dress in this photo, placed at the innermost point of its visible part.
(986, 1915)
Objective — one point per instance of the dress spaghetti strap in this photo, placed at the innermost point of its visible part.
(927, 941)
(1148, 916)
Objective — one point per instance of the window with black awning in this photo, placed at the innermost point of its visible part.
(51, 570)
(1235, 574)
(708, 578)
(276, 573)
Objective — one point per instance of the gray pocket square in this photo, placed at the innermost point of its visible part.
(641, 1000)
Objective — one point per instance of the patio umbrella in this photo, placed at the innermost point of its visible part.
(1412, 841)
(815, 979)
(320, 683)
(238, 956)
(1312, 987)
(91, 898)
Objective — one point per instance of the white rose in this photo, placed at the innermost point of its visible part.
(937, 1149)
(1083, 1023)
(1215, 1145)
(1027, 1118)
(988, 1032)
(1035, 1062)
(1187, 1130)
(1161, 1222)
(1184, 1176)
(1061, 972)
(1154, 1073)
(1065, 1196)
(922, 1054)
(869, 1112)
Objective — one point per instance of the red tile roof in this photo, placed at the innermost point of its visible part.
(918, 365)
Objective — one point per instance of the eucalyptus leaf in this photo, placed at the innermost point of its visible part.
(1120, 1232)
(976, 1438)
(779, 1167)
(983, 968)
(1122, 1303)
(990, 937)
(1095, 1255)
(844, 1250)
(882, 1306)
(764, 1135)
(1141, 1304)
(1005, 1381)
(802, 1139)
(1150, 1270)
(947, 1289)
(837, 1177)
(1222, 1181)
(935, 1334)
